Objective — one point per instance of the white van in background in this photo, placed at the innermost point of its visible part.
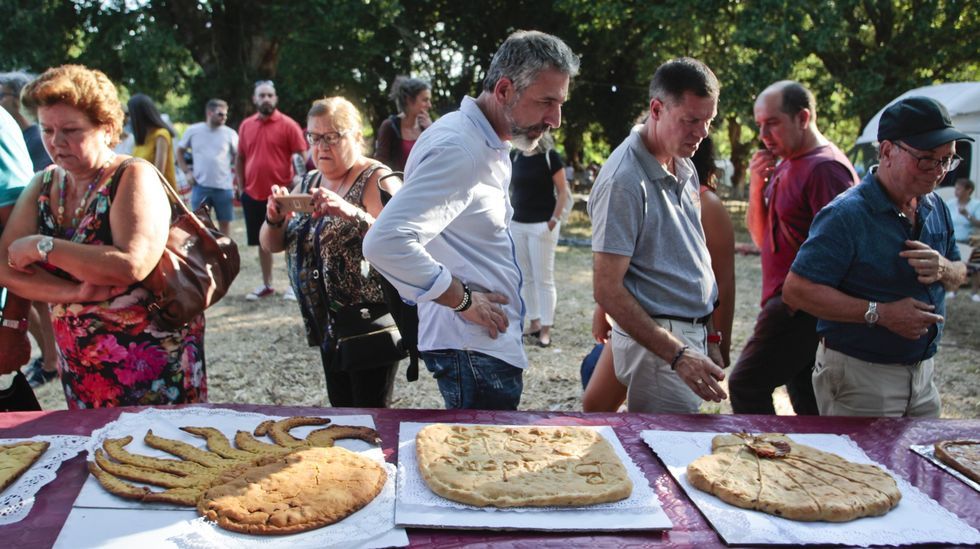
(962, 100)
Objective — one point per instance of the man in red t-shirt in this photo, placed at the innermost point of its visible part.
(783, 200)
(267, 142)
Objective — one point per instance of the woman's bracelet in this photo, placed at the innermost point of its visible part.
(275, 224)
(677, 357)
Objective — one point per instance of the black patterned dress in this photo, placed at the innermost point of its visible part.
(340, 266)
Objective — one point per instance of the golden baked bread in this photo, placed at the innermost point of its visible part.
(185, 480)
(485, 465)
(962, 455)
(772, 473)
(18, 457)
(305, 489)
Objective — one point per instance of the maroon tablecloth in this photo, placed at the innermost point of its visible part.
(885, 440)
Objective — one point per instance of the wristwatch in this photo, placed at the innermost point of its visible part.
(871, 316)
(44, 247)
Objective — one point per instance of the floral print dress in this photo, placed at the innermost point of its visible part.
(110, 352)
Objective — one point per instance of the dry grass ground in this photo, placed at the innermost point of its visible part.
(256, 351)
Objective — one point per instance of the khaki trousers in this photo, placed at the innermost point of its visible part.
(652, 387)
(847, 386)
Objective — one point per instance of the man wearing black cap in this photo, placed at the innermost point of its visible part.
(875, 269)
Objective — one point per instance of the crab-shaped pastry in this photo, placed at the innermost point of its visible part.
(252, 487)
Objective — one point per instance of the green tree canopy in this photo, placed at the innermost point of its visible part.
(855, 54)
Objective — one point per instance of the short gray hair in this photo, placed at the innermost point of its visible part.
(525, 54)
(16, 80)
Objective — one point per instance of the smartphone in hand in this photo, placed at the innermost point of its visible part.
(302, 203)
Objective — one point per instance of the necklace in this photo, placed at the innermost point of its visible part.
(85, 197)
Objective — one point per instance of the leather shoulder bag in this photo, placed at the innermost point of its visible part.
(197, 267)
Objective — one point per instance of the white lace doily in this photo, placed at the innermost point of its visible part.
(374, 522)
(414, 493)
(18, 498)
(916, 519)
(370, 527)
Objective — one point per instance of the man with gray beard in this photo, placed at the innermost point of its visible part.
(443, 241)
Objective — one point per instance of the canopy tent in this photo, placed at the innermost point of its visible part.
(962, 100)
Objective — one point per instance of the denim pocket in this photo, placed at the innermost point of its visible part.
(444, 366)
(500, 382)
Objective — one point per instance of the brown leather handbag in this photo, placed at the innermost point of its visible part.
(196, 269)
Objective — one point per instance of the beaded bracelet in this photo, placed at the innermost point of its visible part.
(467, 299)
(673, 363)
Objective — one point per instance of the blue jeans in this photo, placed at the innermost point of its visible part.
(468, 379)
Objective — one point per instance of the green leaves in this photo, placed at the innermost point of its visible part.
(855, 54)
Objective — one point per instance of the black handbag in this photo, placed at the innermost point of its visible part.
(19, 397)
(365, 337)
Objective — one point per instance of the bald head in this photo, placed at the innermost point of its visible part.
(793, 96)
(786, 115)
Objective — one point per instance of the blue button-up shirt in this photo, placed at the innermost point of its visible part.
(854, 245)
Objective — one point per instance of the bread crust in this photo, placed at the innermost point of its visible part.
(962, 455)
(305, 489)
(187, 480)
(802, 484)
(17, 458)
(484, 465)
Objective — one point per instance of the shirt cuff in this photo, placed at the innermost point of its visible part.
(439, 287)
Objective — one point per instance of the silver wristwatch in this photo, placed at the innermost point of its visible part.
(871, 316)
(44, 247)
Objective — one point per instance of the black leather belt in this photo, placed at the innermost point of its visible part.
(700, 320)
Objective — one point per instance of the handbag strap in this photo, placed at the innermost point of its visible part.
(175, 202)
(306, 307)
(385, 195)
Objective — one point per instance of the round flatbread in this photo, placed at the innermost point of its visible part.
(772, 473)
(292, 493)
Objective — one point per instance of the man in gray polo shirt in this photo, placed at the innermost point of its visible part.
(652, 272)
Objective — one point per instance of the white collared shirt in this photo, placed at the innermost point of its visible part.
(451, 218)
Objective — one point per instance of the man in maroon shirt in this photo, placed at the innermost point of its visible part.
(267, 142)
(797, 173)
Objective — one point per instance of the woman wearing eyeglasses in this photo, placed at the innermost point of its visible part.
(336, 288)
